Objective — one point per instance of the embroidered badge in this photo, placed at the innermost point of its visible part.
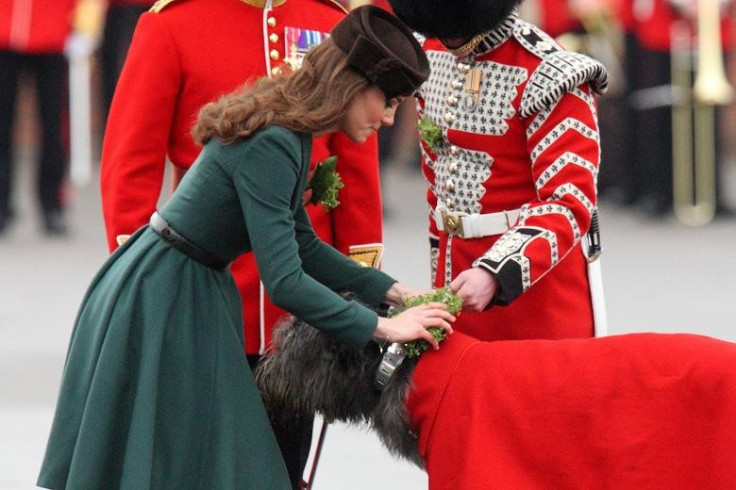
(367, 255)
(298, 42)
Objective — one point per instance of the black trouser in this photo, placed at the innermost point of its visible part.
(655, 146)
(119, 26)
(619, 170)
(294, 437)
(654, 152)
(49, 72)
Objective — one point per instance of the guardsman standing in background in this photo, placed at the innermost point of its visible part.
(33, 37)
(656, 95)
(185, 54)
(622, 178)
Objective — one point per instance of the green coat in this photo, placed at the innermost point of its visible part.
(156, 391)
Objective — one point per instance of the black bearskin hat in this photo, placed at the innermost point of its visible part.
(452, 19)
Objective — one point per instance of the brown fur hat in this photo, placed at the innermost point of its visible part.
(381, 47)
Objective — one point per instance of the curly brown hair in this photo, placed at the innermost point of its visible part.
(311, 99)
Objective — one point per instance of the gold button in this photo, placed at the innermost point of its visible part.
(449, 118)
(450, 203)
(457, 84)
(450, 186)
(274, 38)
(463, 67)
(275, 54)
(271, 21)
(276, 71)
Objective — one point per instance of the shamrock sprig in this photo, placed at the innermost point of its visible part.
(441, 295)
(430, 132)
(326, 183)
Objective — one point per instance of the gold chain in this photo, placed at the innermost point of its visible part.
(468, 47)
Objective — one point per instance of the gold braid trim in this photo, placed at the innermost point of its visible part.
(159, 5)
(366, 255)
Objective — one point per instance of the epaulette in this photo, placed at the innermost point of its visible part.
(160, 5)
(335, 4)
(559, 72)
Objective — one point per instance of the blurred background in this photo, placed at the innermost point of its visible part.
(667, 184)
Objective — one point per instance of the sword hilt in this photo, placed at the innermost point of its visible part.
(594, 238)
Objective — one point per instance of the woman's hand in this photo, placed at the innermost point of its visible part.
(476, 288)
(398, 293)
(412, 324)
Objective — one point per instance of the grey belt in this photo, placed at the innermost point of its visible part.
(175, 240)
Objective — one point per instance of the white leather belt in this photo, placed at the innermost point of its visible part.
(475, 225)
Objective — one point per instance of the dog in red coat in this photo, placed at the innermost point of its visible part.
(642, 411)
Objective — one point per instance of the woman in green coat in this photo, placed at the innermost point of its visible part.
(156, 391)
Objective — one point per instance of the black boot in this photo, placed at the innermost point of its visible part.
(55, 223)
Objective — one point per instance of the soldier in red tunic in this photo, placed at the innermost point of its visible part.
(511, 151)
(187, 53)
(33, 35)
(653, 100)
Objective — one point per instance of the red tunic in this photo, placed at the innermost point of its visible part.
(653, 25)
(556, 18)
(626, 412)
(190, 53)
(35, 26)
(529, 142)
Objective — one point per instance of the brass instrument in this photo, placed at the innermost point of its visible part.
(693, 114)
(601, 38)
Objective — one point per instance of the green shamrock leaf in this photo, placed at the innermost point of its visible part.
(326, 183)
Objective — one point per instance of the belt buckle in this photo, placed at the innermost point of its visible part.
(453, 224)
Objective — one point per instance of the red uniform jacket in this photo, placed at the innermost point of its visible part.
(37, 26)
(653, 25)
(625, 412)
(526, 141)
(189, 53)
(556, 18)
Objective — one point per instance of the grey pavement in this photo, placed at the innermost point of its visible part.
(659, 276)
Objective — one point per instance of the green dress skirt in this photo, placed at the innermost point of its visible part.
(156, 390)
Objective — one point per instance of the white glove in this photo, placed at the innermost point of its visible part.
(79, 46)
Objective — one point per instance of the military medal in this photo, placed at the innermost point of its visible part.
(298, 42)
(472, 88)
